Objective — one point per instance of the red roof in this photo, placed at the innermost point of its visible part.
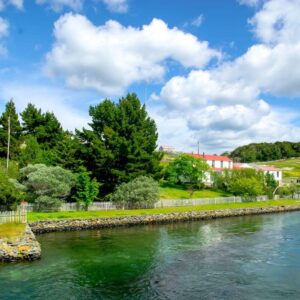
(267, 168)
(212, 157)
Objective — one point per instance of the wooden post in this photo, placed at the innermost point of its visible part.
(8, 144)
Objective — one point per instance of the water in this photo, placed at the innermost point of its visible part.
(255, 257)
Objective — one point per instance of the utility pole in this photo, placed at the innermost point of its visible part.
(8, 143)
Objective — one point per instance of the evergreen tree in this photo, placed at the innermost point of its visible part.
(15, 130)
(122, 142)
(33, 120)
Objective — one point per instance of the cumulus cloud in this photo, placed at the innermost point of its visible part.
(222, 106)
(111, 57)
(16, 3)
(48, 98)
(58, 5)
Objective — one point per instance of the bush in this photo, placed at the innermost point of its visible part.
(47, 182)
(9, 194)
(46, 203)
(141, 192)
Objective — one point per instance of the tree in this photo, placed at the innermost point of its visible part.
(15, 130)
(86, 189)
(9, 195)
(186, 169)
(121, 144)
(43, 126)
(47, 184)
(142, 191)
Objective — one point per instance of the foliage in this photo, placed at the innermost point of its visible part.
(138, 192)
(15, 129)
(266, 151)
(86, 188)
(247, 183)
(9, 194)
(47, 203)
(186, 169)
(121, 143)
(53, 182)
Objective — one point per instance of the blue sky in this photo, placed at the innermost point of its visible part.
(223, 73)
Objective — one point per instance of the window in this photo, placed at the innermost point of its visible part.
(277, 174)
(221, 163)
(213, 163)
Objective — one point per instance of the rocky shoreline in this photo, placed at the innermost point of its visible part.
(46, 226)
(22, 248)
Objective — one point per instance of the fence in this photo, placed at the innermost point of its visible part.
(18, 216)
(97, 206)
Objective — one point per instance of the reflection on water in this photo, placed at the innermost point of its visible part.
(254, 257)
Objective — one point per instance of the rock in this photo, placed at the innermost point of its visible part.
(22, 248)
(82, 224)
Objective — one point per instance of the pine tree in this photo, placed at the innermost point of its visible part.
(15, 130)
(122, 142)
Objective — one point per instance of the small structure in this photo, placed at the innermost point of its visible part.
(277, 173)
(166, 149)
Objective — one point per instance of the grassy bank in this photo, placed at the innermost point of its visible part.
(172, 191)
(11, 230)
(290, 167)
(37, 216)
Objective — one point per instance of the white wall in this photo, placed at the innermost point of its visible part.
(218, 164)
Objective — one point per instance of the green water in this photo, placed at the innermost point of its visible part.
(254, 257)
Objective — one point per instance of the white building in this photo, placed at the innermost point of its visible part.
(217, 163)
(166, 149)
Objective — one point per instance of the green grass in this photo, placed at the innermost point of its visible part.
(290, 167)
(11, 230)
(37, 216)
(168, 191)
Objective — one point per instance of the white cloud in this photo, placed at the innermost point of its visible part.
(16, 3)
(109, 58)
(198, 21)
(120, 6)
(4, 27)
(278, 22)
(221, 106)
(250, 2)
(48, 98)
(58, 5)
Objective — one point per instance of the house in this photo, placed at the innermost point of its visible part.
(220, 163)
(217, 163)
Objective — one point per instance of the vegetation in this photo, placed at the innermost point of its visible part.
(266, 151)
(86, 189)
(248, 183)
(174, 191)
(46, 186)
(11, 230)
(187, 171)
(36, 216)
(141, 191)
(290, 167)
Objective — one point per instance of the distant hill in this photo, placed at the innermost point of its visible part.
(265, 151)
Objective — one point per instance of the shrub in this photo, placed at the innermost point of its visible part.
(46, 203)
(86, 188)
(52, 182)
(141, 192)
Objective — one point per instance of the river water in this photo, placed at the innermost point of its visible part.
(254, 257)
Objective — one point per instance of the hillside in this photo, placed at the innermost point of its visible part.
(290, 167)
(266, 152)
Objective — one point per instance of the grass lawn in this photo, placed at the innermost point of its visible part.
(290, 167)
(169, 191)
(11, 230)
(36, 216)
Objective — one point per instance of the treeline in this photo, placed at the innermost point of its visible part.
(118, 146)
(265, 151)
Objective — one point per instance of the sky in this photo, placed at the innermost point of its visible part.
(218, 73)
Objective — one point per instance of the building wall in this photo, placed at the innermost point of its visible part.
(220, 164)
(277, 174)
